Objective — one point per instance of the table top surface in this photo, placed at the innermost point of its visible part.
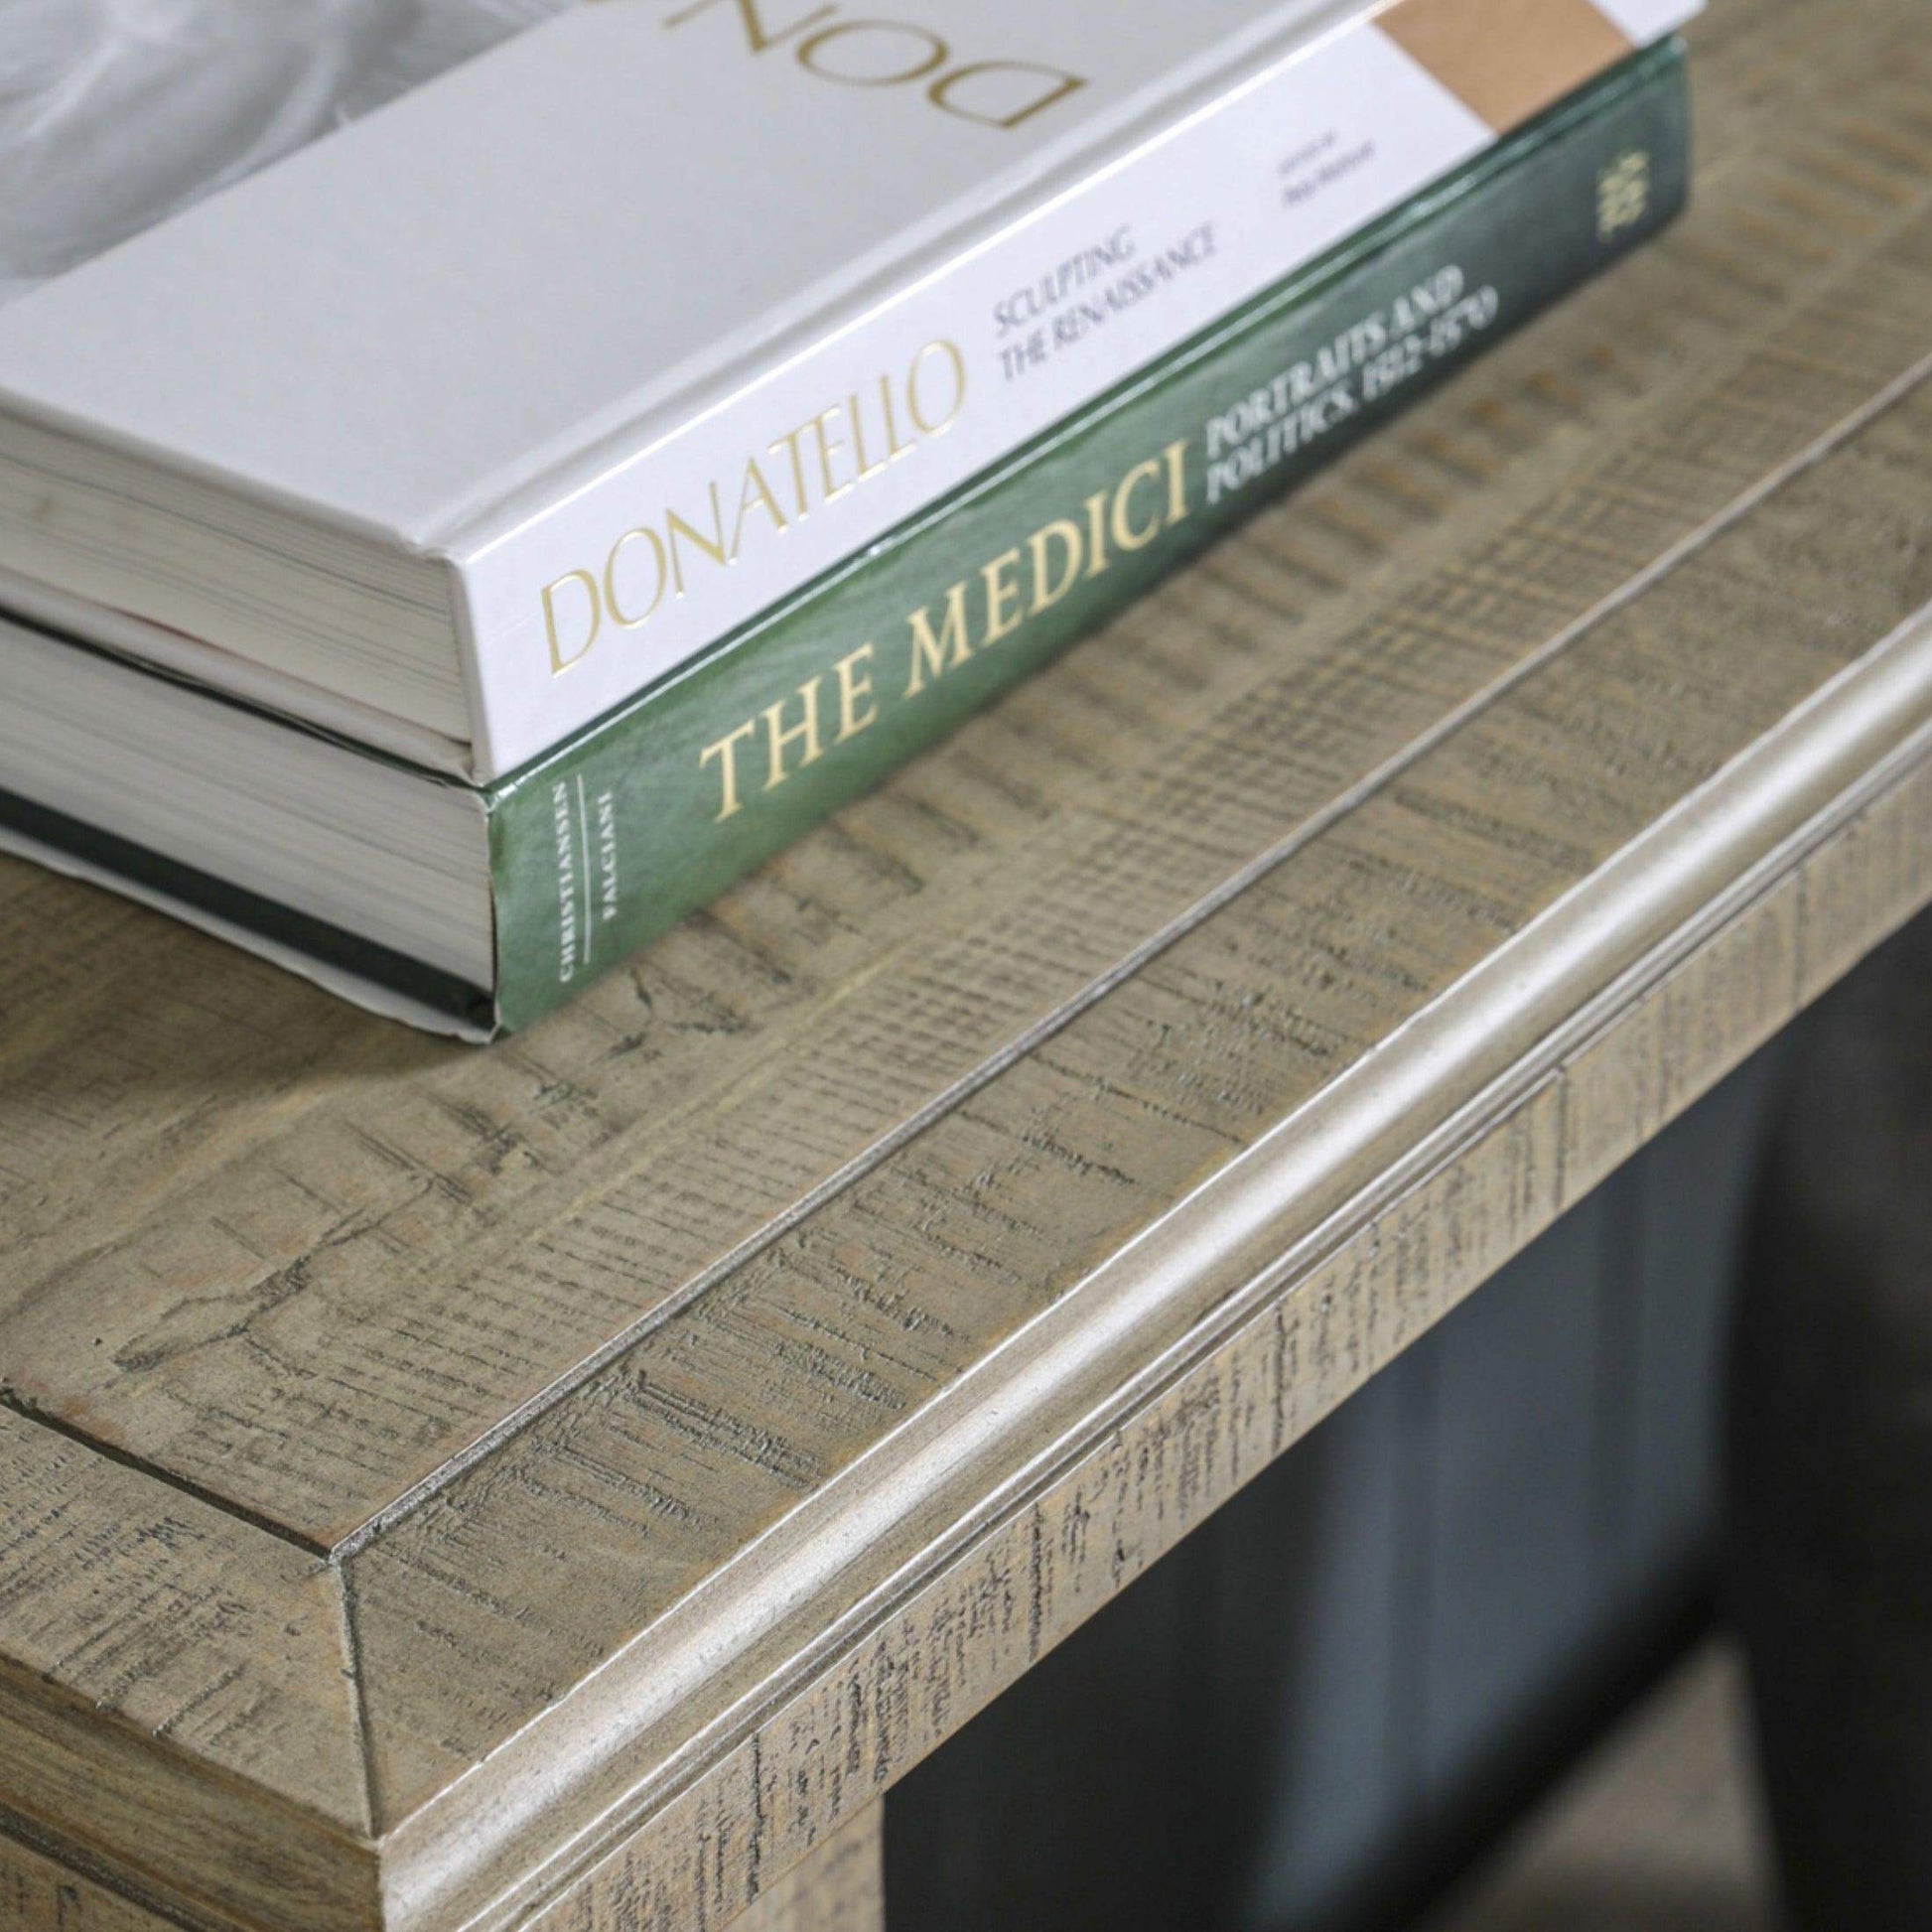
(462, 1486)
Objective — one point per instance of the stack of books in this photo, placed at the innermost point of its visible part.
(449, 555)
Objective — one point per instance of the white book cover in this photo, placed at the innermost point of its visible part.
(619, 331)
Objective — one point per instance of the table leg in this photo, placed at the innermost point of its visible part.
(1831, 1457)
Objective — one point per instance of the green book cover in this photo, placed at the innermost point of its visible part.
(611, 840)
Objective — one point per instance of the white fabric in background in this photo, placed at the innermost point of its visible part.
(115, 114)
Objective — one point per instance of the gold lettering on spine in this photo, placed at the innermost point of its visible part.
(1003, 614)
(789, 443)
(754, 494)
(845, 453)
(1098, 561)
(895, 448)
(868, 469)
(1047, 592)
(1126, 535)
(956, 362)
(857, 708)
(611, 598)
(726, 751)
(560, 660)
(824, 460)
(828, 446)
(712, 546)
(780, 737)
(1174, 456)
(935, 657)
(1146, 501)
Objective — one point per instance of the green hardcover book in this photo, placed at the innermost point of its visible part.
(596, 849)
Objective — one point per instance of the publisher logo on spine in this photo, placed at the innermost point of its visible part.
(1623, 195)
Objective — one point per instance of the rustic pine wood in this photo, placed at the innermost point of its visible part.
(571, 1482)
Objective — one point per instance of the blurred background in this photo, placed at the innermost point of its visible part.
(205, 91)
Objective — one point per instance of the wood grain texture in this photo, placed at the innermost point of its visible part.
(839, 1886)
(306, 1260)
(573, 1482)
(40, 1894)
(174, 1681)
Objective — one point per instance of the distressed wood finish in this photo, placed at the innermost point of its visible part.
(840, 1888)
(37, 1893)
(569, 1483)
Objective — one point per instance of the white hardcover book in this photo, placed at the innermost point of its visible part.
(457, 428)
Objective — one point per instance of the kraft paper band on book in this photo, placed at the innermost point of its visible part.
(1506, 59)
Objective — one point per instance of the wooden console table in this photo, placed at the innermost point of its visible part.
(566, 1484)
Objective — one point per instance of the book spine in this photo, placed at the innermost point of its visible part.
(572, 607)
(612, 839)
